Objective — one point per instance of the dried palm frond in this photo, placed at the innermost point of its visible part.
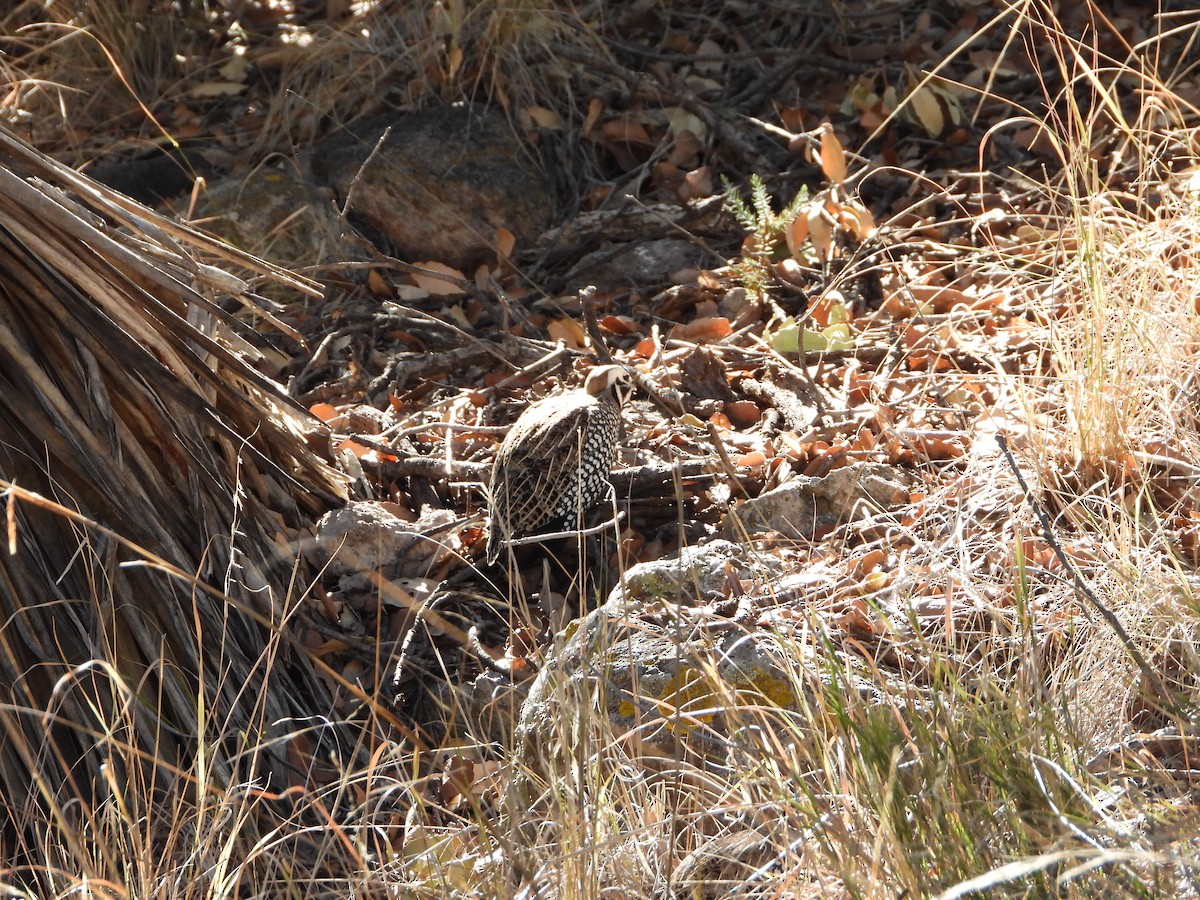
(128, 395)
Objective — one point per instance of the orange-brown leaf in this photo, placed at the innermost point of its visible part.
(569, 332)
(939, 298)
(620, 325)
(324, 412)
(856, 219)
(703, 330)
(743, 413)
(820, 231)
(595, 109)
(437, 286)
(378, 285)
(833, 157)
(796, 234)
(697, 183)
(625, 131)
(505, 242)
(750, 460)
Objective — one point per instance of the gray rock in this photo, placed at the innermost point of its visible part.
(646, 264)
(806, 508)
(670, 689)
(370, 538)
(694, 575)
(439, 185)
(275, 213)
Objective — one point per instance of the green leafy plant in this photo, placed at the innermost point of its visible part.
(765, 229)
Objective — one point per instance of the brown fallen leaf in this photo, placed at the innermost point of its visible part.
(378, 286)
(743, 413)
(820, 230)
(645, 348)
(697, 183)
(362, 452)
(568, 331)
(866, 563)
(217, 89)
(544, 118)
(939, 298)
(595, 110)
(625, 131)
(855, 219)
(706, 329)
(927, 110)
(505, 242)
(620, 325)
(437, 286)
(833, 157)
(796, 234)
(750, 460)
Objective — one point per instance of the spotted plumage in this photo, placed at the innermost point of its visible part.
(553, 465)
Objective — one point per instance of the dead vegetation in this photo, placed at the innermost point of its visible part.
(977, 675)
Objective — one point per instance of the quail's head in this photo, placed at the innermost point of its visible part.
(610, 382)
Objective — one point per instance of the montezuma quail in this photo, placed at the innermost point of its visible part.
(553, 465)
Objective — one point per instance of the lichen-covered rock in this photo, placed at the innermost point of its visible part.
(671, 688)
(275, 213)
(698, 574)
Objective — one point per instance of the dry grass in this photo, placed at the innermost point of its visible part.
(183, 69)
(995, 753)
(149, 469)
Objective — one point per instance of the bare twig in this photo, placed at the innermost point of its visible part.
(714, 437)
(587, 297)
(558, 535)
(358, 175)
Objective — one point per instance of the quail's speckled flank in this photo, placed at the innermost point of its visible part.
(554, 463)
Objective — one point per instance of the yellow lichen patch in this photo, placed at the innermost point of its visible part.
(764, 686)
(686, 692)
(691, 697)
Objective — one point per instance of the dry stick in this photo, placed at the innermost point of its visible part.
(587, 297)
(593, 329)
(1081, 586)
(559, 535)
(345, 210)
(714, 438)
(525, 371)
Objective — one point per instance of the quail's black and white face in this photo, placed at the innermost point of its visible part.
(612, 380)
